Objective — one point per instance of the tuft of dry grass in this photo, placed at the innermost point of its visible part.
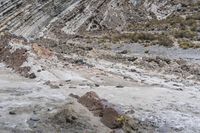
(134, 37)
(164, 40)
(185, 34)
(186, 44)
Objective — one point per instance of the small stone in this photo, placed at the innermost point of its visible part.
(133, 70)
(146, 52)
(60, 84)
(12, 113)
(67, 80)
(126, 77)
(79, 62)
(34, 112)
(82, 84)
(130, 111)
(47, 83)
(179, 89)
(32, 76)
(72, 87)
(34, 118)
(88, 48)
(120, 86)
(132, 59)
(74, 96)
(176, 85)
(117, 131)
(97, 85)
(54, 86)
(123, 52)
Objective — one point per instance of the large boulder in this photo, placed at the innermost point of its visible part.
(109, 114)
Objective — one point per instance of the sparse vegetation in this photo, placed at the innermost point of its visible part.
(185, 44)
(185, 34)
(161, 32)
(165, 41)
(195, 16)
(145, 38)
(121, 119)
(134, 37)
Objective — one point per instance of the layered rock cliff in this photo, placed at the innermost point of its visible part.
(28, 18)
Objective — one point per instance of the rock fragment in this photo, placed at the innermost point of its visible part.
(111, 118)
(74, 96)
(12, 113)
(32, 76)
(120, 86)
(92, 102)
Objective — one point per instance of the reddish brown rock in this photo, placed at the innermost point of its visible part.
(92, 102)
(13, 58)
(111, 118)
(42, 52)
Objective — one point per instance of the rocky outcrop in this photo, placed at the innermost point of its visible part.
(27, 18)
(110, 115)
(31, 18)
(14, 54)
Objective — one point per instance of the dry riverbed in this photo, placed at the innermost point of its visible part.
(159, 101)
(38, 86)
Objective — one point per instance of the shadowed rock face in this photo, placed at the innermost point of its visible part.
(28, 18)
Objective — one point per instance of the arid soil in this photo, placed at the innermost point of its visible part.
(129, 93)
(99, 66)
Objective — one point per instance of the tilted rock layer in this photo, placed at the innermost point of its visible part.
(29, 17)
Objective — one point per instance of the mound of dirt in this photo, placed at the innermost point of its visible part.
(74, 118)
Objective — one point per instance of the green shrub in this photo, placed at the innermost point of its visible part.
(194, 28)
(174, 20)
(186, 44)
(185, 34)
(134, 37)
(165, 41)
(146, 36)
